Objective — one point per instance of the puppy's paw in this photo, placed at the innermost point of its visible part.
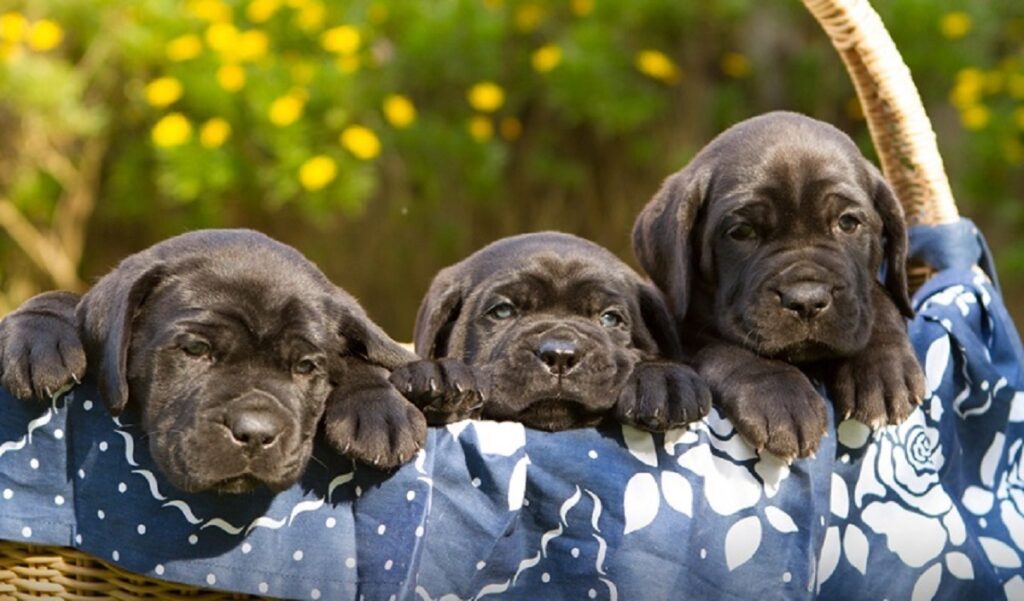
(778, 411)
(661, 396)
(40, 352)
(444, 389)
(375, 426)
(880, 386)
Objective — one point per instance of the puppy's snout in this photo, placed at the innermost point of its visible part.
(806, 299)
(559, 355)
(255, 428)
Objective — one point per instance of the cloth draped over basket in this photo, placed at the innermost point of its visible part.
(933, 508)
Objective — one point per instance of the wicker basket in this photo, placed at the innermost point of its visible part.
(910, 158)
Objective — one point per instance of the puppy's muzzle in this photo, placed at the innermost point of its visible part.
(805, 299)
(255, 422)
(559, 355)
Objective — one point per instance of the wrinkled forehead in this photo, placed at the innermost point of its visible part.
(556, 277)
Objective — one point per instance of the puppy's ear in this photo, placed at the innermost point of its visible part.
(663, 232)
(105, 317)
(438, 313)
(365, 338)
(895, 232)
(657, 332)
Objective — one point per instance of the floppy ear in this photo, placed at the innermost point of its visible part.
(657, 332)
(365, 338)
(105, 318)
(438, 313)
(663, 231)
(895, 232)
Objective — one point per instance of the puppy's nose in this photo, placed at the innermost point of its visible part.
(806, 299)
(558, 355)
(255, 428)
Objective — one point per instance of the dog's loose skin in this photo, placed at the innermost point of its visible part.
(552, 331)
(231, 345)
(767, 246)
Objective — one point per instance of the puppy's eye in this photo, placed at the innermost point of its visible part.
(612, 319)
(848, 223)
(196, 348)
(742, 232)
(504, 310)
(304, 367)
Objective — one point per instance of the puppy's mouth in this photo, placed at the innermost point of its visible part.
(558, 413)
(238, 484)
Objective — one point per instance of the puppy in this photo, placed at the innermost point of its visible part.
(552, 331)
(232, 346)
(768, 246)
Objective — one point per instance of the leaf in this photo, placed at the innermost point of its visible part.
(678, 492)
(855, 546)
(780, 520)
(999, 553)
(742, 541)
(928, 584)
(640, 445)
(840, 497)
(960, 565)
(935, 362)
(517, 485)
(828, 559)
(641, 502)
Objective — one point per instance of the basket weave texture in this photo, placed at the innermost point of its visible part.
(905, 142)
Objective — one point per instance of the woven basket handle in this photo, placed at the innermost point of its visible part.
(899, 126)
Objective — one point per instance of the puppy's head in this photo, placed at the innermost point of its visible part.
(225, 340)
(553, 323)
(774, 235)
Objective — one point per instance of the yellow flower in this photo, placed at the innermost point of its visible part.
(528, 16)
(481, 128)
(214, 132)
(656, 65)
(360, 141)
(222, 37)
(311, 16)
(252, 45)
(183, 48)
(343, 39)
(735, 65)
(955, 25)
(546, 58)
(172, 130)
(993, 82)
(974, 117)
(12, 27)
(163, 91)
(348, 64)
(399, 111)
(209, 10)
(285, 110)
(260, 11)
(9, 52)
(486, 97)
(317, 172)
(231, 77)
(1015, 86)
(44, 35)
(967, 91)
(1018, 117)
(582, 8)
(511, 128)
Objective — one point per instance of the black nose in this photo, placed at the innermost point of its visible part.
(254, 428)
(558, 355)
(806, 299)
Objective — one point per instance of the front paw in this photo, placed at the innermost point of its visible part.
(40, 354)
(776, 410)
(880, 386)
(662, 396)
(374, 426)
(444, 389)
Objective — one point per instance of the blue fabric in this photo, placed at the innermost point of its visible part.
(933, 508)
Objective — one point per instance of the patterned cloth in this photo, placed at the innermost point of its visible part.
(933, 508)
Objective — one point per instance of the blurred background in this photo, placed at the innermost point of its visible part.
(388, 138)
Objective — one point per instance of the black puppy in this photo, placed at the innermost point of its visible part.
(230, 344)
(768, 245)
(552, 331)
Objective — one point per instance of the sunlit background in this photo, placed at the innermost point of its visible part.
(387, 139)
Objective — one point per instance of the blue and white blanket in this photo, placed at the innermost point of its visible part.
(931, 509)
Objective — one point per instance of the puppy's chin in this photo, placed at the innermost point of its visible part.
(551, 413)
